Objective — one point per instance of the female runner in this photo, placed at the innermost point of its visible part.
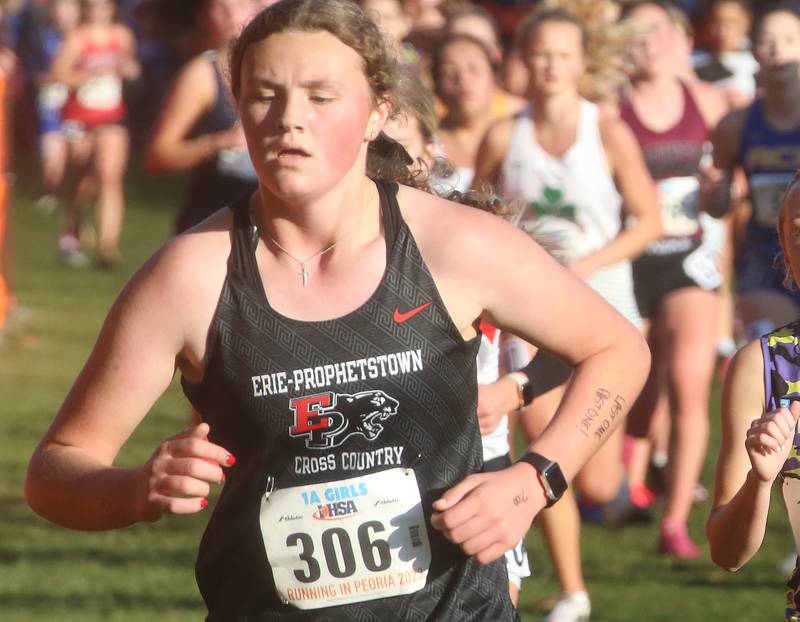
(760, 441)
(764, 140)
(498, 394)
(325, 329)
(95, 59)
(676, 278)
(198, 127)
(464, 77)
(573, 167)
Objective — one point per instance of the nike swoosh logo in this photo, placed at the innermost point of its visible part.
(401, 317)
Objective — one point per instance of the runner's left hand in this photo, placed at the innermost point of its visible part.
(488, 513)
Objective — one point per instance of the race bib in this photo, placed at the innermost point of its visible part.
(766, 190)
(679, 197)
(100, 92)
(52, 96)
(347, 541)
(703, 267)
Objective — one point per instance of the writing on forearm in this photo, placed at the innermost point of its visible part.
(596, 421)
(615, 410)
(520, 498)
(593, 412)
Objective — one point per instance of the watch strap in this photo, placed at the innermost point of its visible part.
(550, 475)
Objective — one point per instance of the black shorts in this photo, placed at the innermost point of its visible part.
(655, 276)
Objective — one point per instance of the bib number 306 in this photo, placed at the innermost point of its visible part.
(347, 541)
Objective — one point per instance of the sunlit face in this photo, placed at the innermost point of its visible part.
(225, 19)
(98, 11)
(728, 26)
(65, 14)
(653, 49)
(477, 27)
(466, 79)
(790, 238)
(778, 48)
(390, 18)
(306, 111)
(554, 57)
(407, 132)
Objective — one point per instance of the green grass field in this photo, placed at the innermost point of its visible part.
(146, 572)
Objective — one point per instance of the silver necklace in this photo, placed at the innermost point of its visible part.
(304, 274)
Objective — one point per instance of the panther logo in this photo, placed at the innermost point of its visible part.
(327, 420)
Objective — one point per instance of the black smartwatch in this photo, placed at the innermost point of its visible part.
(550, 476)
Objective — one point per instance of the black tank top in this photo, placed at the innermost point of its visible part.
(388, 387)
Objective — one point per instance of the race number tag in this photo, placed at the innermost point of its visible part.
(100, 93)
(766, 190)
(52, 96)
(679, 197)
(347, 541)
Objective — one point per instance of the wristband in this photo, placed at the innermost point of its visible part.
(524, 388)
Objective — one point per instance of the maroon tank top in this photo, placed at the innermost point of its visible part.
(675, 152)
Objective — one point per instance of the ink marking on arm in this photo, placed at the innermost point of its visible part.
(616, 410)
(593, 412)
(520, 498)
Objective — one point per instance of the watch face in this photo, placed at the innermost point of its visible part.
(555, 479)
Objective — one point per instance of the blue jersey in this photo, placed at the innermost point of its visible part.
(769, 158)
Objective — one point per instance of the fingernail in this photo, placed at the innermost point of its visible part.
(203, 503)
(230, 460)
(223, 477)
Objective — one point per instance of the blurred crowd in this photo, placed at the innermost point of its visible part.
(648, 142)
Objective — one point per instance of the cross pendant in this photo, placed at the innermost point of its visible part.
(303, 273)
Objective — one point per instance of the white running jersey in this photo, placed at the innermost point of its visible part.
(572, 198)
(495, 444)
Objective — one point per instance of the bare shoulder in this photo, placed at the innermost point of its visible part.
(710, 100)
(614, 132)
(123, 34)
(498, 135)
(733, 122)
(452, 234)
(197, 71)
(727, 137)
(744, 382)
(187, 273)
(195, 259)
(493, 149)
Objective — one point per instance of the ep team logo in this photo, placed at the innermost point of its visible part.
(328, 419)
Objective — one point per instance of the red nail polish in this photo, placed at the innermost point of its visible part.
(223, 476)
(230, 460)
(203, 503)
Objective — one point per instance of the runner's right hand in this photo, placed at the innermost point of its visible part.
(770, 439)
(178, 476)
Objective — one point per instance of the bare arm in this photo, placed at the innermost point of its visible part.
(72, 479)
(192, 94)
(64, 68)
(492, 151)
(715, 181)
(505, 276)
(130, 69)
(633, 180)
(754, 447)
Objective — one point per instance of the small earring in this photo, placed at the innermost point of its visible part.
(372, 135)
